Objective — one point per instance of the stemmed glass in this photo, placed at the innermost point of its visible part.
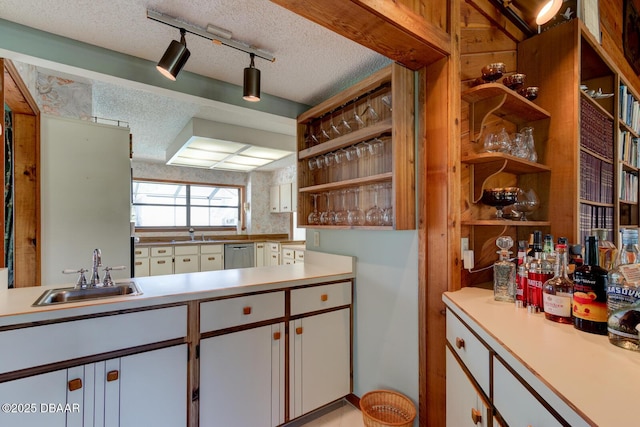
(343, 126)
(373, 215)
(356, 120)
(310, 139)
(333, 129)
(342, 215)
(526, 202)
(355, 215)
(341, 158)
(322, 135)
(369, 114)
(314, 217)
(328, 216)
(387, 211)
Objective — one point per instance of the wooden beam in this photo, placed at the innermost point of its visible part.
(381, 25)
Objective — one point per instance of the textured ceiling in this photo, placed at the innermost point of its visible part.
(311, 64)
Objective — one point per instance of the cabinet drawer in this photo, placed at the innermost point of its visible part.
(241, 310)
(288, 253)
(299, 255)
(186, 250)
(162, 251)
(57, 342)
(320, 297)
(186, 264)
(515, 403)
(211, 249)
(274, 247)
(141, 267)
(471, 351)
(160, 265)
(141, 252)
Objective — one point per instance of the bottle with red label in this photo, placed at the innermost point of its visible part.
(540, 270)
(558, 291)
(590, 292)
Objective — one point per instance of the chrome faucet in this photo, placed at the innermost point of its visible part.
(97, 263)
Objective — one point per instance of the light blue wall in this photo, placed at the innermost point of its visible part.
(386, 306)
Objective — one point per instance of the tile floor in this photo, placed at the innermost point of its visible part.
(345, 416)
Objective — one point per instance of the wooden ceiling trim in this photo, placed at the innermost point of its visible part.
(16, 94)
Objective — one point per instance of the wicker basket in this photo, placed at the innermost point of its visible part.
(384, 408)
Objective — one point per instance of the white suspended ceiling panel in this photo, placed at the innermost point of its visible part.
(213, 145)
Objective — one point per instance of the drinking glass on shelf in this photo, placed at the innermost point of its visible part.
(310, 139)
(314, 217)
(343, 126)
(329, 161)
(342, 163)
(527, 133)
(334, 132)
(342, 212)
(356, 121)
(369, 115)
(373, 216)
(520, 148)
(386, 100)
(328, 216)
(322, 135)
(387, 211)
(355, 215)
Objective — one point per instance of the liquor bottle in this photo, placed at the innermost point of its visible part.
(536, 246)
(504, 272)
(522, 287)
(623, 294)
(590, 292)
(606, 249)
(558, 291)
(548, 244)
(540, 270)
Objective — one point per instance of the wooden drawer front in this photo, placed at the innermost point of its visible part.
(162, 251)
(57, 342)
(299, 255)
(186, 250)
(515, 403)
(211, 262)
(241, 310)
(160, 265)
(274, 247)
(288, 253)
(141, 252)
(320, 297)
(211, 249)
(472, 352)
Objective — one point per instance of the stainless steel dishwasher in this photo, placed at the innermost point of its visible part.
(239, 255)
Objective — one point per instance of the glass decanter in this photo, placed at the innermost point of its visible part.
(504, 272)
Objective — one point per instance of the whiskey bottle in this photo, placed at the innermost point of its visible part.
(623, 294)
(606, 250)
(590, 292)
(558, 291)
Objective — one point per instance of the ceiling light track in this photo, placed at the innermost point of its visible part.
(216, 35)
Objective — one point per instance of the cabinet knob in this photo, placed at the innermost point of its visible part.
(476, 416)
(112, 376)
(299, 330)
(246, 311)
(138, 252)
(276, 336)
(459, 342)
(75, 384)
(211, 258)
(324, 297)
(162, 262)
(138, 262)
(162, 251)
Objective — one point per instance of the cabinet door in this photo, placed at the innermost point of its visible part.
(274, 199)
(211, 262)
(260, 257)
(515, 403)
(22, 394)
(160, 265)
(285, 198)
(152, 388)
(274, 258)
(186, 264)
(141, 267)
(242, 378)
(464, 405)
(320, 360)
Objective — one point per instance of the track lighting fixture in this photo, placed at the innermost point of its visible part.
(251, 84)
(177, 54)
(174, 57)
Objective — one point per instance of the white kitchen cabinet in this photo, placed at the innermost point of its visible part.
(242, 378)
(280, 198)
(161, 261)
(26, 395)
(273, 253)
(288, 256)
(465, 404)
(260, 254)
(299, 256)
(320, 358)
(186, 259)
(141, 262)
(211, 257)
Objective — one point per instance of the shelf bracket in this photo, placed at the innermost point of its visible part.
(480, 110)
(481, 173)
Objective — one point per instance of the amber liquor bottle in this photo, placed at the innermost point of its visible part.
(558, 291)
(590, 292)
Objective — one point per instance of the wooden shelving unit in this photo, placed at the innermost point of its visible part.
(392, 164)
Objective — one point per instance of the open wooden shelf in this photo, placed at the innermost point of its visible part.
(497, 99)
(355, 182)
(506, 223)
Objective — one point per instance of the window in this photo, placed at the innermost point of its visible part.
(162, 204)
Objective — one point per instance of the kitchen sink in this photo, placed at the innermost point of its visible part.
(72, 294)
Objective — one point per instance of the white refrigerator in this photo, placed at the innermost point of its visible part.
(85, 197)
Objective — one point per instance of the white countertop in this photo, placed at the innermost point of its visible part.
(15, 304)
(599, 380)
